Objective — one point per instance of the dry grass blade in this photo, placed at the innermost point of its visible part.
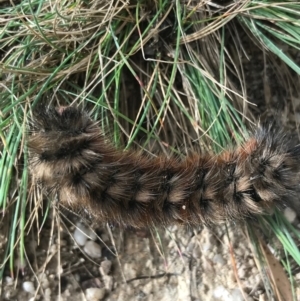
(280, 281)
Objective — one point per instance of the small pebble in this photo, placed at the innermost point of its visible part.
(105, 267)
(10, 293)
(218, 259)
(148, 288)
(290, 214)
(92, 249)
(28, 287)
(297, 276)
(221, 293)
(43, 280)
(237, 295)
(94, 294)
(47, 294)
(242, 272)
(130, 268)
(53, 249)
(207, 241)
(81, 234)
(262, 297)
(9, 280)
(108, 282)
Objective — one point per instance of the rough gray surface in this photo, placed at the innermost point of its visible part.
(167, 264)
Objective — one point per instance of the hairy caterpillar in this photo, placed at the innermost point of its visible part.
(71, 157)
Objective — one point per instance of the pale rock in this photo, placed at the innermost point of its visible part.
(53, 249)
(130, 269)
(81, 234)
(220, 292)
(290, 214)
(10, 293)
(28, 287)
(108, 282)
(94, 294)
(207, 241)
(242, 272)
(236, 295)
(43, 280)
(105, 237)
(263, 297)
(219, 259)
(9, 280)
(147, 288)
(105, 267)
(92, 249)
(47, 294)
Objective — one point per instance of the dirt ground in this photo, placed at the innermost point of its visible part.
(113, 264)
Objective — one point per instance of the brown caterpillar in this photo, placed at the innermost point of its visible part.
(71, 157)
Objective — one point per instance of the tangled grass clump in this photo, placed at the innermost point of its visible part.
(177, 72)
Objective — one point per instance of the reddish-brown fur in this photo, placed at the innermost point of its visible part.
(70, 157)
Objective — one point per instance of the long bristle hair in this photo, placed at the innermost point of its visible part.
(70, 157)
